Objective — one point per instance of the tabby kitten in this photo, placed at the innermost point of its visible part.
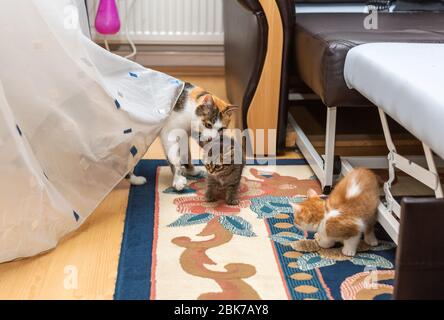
(197, 113)
(349, 212)
(224, 160)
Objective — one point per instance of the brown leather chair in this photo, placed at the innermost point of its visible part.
(245, 32)
(321, 43)
(246, 37)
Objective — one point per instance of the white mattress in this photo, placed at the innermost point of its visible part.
(407, 81)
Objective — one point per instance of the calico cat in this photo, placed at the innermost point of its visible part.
(224, 161)
(349, 212)
(197, 113)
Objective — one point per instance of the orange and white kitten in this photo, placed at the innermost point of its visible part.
(349, 212)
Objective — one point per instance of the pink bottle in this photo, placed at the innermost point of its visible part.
(107, 17)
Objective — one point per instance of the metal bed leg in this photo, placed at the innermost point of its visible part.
(432, 168)
(428, 177)
(322, 166)
(329, 149)
(391, 204)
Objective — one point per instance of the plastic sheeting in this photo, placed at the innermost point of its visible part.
(74, 119)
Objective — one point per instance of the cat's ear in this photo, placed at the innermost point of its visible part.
(202, 110)
(296, 207)
(311, 193)
(230, 109)
(207, 99)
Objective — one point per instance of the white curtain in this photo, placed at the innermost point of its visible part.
(74, 119)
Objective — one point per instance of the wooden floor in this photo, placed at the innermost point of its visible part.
(91, 252)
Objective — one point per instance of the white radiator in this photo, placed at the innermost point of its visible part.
(166, 21)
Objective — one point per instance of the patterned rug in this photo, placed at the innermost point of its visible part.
(177, 246)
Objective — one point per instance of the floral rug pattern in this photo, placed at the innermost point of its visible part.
(218, 251)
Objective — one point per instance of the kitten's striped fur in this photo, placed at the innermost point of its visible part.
(224, 162)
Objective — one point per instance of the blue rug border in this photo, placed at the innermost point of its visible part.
(136, 247)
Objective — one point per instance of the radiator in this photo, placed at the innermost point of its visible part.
(166, 21)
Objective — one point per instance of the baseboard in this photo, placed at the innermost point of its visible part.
(179, 59)
(175, 55)
(191, 70)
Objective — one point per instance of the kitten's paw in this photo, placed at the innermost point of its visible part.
(232, 202)
(210, 199)
(179, 183)
(348, 251)
(137, 180)
(371, 241)
(323, 242)
(194, 172)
